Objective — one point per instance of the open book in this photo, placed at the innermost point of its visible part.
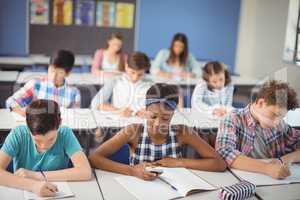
(182, 180)
(64, 191)
(261, 179)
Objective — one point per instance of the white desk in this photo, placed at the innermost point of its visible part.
(24, 77)
(279, 192)
(112, 190)
(8, 76)
(184, 116)
(293, 118)
(72, 79)
(41, 59)
(77, 119)
(82, 190)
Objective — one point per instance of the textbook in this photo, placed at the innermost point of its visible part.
(261, 179)
(64, 191)
(172, 183)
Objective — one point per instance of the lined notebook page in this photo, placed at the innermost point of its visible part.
(64, 191)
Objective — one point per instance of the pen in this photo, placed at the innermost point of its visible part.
(280, 160)
(43, 174)
(163, 180)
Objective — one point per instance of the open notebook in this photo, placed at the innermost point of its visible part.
(182, 179)
(64, 191)
(261, 179)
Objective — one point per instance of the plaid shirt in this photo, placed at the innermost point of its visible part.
(237, 133)
(41, 88)
(205, 99)
(146, 151)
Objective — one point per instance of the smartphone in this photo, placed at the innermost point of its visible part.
(154, 170)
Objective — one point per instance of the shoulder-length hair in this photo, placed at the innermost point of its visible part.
(184, 54)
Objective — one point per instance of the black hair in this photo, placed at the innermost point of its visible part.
(42, 116)
(163, 91)
(63, 59)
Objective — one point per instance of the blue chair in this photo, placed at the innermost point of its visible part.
(10, 167)
(122, 155)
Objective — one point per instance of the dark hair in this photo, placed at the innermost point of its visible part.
(277, 93)
(215, 67)
(184, 55)
(42, 116)
(163, 91)
(63, 59)
(139, 61)
(119, 36)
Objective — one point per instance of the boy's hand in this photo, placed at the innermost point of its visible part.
(219, 112)
(139, 171)
(277, 170)
(44, 189)
(126, 112)
(142, 113)
(168, 162)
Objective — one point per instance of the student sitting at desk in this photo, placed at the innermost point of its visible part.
(214, 93)
(175, 62)
(125, 94)
(53, 86)
(110, 60)
(156, 142)
(259, 132)
(42, 152)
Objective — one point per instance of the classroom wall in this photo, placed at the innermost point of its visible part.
(211, 26)
(13, 32)
(261, 40)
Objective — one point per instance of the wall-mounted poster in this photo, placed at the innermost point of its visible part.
(84, 13)
(62, 12)
(39, 11)
(105, 14)
(125, 12)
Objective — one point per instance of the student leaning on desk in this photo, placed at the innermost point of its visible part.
(125, 94)
(156, 143)
(176, 62)
(53, 86)
(111, 60)
(42, 151)
(259, 132)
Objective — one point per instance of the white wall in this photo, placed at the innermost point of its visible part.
(261, 41)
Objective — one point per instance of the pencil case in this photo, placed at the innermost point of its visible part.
(239, 191)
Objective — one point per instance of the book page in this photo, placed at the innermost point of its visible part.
(261, 179)
(182, 179)
(64, 191)
(185, 181)
(147, 190)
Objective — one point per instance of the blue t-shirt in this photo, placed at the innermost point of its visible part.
(20, 146)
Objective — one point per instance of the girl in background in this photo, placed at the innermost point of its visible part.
(176, 62)
(110, 61)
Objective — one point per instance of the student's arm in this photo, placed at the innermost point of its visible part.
(226, 146)
(97, 62)
(81, 170)
(157, 64)
(102, 99)
(21, 98)
(197, 98)
(209, 161)
(292, 140)
(10, 180)
(99, 158)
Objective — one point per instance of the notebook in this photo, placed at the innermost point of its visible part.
(183, 180)
(64, 191)
(261, 179)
